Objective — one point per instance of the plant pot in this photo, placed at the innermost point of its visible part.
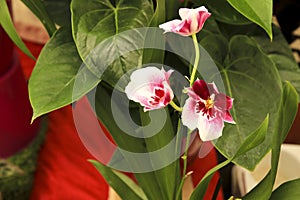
(6, 49)
(15, 110)
(15, 115)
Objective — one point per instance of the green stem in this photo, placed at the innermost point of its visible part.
(184, 158)
(197, 58)
(175, 106)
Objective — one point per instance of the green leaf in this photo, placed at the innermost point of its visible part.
(51, 85)
(8, 26)
(154, 55)
(122, 184)
(288, 70)
(125, 142)
(252, 79)
(287, 112)
(38, 8)
(252, 141)
(219, 50)
(222, 11)
(259, 12)
(168, 184)
(96, 29)
(287, 191)
(59, 11)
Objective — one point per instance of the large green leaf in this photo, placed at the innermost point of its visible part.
(151, 55)
(122, 184)
(222, 11)
(286, 115)
(252, 79)
(96, 29)
(252, 141)
(278, 50)
(123, 160)
(8, 26)
(168, 184)
(59, 11)
(259, 12)
(38, 8)
(287, 191)
(51, 85)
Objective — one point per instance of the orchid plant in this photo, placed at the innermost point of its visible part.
(155, 81)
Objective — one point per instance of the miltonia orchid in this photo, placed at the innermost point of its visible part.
(206, 109)
(150, 87)
(192, 21)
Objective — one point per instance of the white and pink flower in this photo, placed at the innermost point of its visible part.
(206, 109)
(150, 87)
(192, 21)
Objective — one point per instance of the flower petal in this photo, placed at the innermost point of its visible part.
(228, 118)
(184, 13)
(201, 18)
(192, 21)
(150, 87)
(210, 129)
(171, 25)
(189, 115)
(201, 89)
(142, 78)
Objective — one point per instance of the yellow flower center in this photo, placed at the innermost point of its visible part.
(209, 103)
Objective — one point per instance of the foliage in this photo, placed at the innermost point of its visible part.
(99, 42)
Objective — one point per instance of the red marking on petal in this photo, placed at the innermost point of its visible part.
(183, 28)
(202, 17)
(159, 92)
(201, 89)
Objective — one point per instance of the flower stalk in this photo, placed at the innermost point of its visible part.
(184, 159)
(173, 104)
(197, 59)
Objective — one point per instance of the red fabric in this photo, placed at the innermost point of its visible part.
(63, 171)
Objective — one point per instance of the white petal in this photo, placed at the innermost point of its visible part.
(202, 8)
(169, 26)
(141, 80)
(210, 129)
(189, 116)
(184, 12)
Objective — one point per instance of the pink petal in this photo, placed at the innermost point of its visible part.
(220, 101)
(183, 28)
(201, 18)
(210, 129)
(228, 118)
(212, 88)
(189, 116)
(229, 102)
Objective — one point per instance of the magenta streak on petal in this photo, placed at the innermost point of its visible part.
(159, 93)
(201, 89)
(183, 28)
(202, 17)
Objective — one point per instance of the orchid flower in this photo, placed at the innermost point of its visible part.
(150, 87)
(206, 109)
(192, 21)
